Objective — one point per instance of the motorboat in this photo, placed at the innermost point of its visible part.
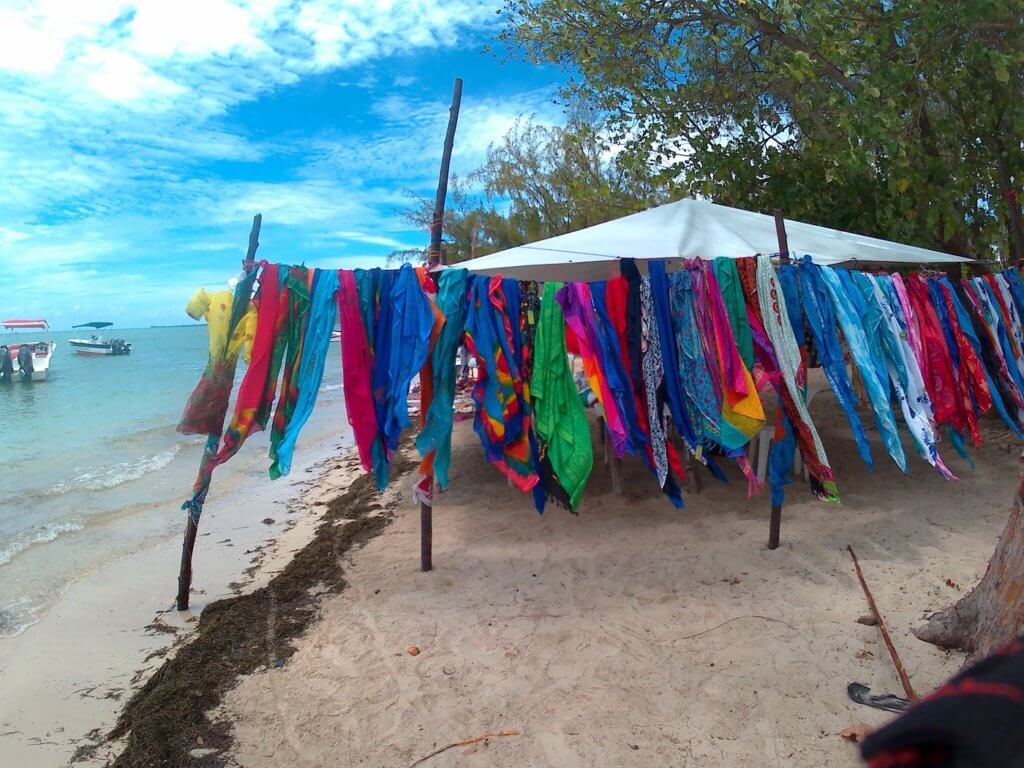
(96, 344)
(21, 356)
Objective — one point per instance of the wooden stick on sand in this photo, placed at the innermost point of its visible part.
(464, 742)
(885, 633)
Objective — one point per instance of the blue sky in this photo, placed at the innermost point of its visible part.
(138, 138)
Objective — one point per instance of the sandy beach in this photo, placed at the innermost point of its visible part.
(66, 678)
(633, 634)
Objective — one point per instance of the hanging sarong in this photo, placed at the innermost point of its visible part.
(823, 324)
(231, 323)
(728, 278)
(436, 435)
(256, 393)
(502, 419)
(322, 314)
(374, 287)
(561, 420)
(356, 367)
(409, 331)
(294, 333)
(578, 309)
(902, 368)
(777, 326)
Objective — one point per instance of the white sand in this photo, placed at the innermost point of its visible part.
(634, 634)
(70, 674)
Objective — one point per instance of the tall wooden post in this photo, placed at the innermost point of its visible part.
(194, 506)
(775, 520)
(435, 257)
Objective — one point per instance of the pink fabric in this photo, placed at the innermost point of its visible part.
(913, 333)
(356, 364)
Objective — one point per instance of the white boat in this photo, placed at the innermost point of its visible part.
(97, 345)
(23, 357)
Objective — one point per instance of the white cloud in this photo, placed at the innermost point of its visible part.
(114, 115)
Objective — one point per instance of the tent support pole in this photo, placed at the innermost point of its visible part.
(435, 257)
(775, 519)
(209, 452)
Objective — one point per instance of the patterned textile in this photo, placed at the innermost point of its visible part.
(322, 314)
(356, 365)
(231, 323)
(258, 389)
(857, 342)
(973, 721)
(411, 323)
(561, 421)
(778, 328)
(503, 419)
(293, 333)
(436, 434)
(822, 321)
(663, 454)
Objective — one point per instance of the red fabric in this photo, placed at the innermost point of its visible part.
(938, 378)
(971, 376)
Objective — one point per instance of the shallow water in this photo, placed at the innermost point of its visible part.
(91, 467)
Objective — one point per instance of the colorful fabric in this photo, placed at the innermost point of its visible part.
(231, 322)
(578, 310)
(436, 435)
(779, 330)
(375, 306)
(293, 334)
(728, 277)
(561, 420)
(821, 319)
(411, 322)
(502, 420)
(256, 393)
(322, 314)
(356, 365)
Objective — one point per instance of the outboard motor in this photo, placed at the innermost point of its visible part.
(6, 364)
(25, 362)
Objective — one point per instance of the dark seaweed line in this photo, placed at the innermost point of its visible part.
(167, 718)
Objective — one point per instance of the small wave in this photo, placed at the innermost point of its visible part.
(330, 387)
(17, 617)
(131, 438)
(43, 534)
(116, 474)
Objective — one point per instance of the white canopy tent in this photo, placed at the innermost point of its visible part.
(688, 229)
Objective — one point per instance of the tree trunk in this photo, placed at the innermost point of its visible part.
(992, 614)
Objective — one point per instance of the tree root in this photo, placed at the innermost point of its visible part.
(954, 627)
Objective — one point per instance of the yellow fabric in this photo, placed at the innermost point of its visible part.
(746, 413)
(216, 309)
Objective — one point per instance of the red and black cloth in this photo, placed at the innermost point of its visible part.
(976, 720)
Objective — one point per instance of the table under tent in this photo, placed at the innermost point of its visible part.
(686, 315)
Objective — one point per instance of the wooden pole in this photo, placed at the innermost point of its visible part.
(775, 519)
(195, 505)
(881, 628)
(435, 257)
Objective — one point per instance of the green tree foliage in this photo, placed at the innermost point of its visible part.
(898, 118)
(538, 182)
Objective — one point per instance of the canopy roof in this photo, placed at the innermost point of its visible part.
(93, 325)
(688, 229)
(13, 324)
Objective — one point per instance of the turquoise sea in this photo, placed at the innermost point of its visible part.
(91, 467)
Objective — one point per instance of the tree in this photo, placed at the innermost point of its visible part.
(897, 118)
(992, 613)
(538, 182)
